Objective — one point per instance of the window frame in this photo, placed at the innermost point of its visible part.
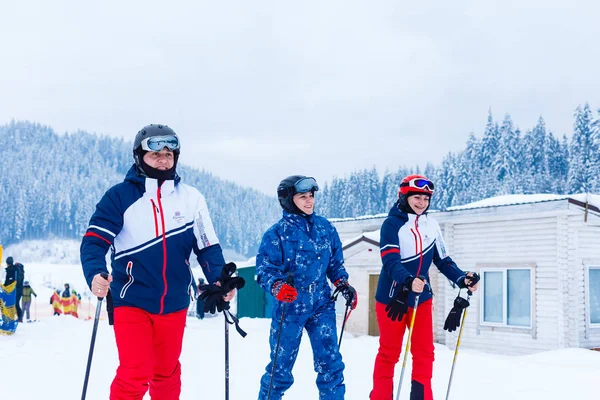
(504, 268)
(588, 317)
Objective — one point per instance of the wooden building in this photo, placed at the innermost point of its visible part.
(539, 258)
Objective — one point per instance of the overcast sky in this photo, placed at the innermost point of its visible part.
(258, 90)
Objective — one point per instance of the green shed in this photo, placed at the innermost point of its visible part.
(252, 300)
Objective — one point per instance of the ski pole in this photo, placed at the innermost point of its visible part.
(412, 323)
(346, 316)
(462, 324)
(276, 350)
(91, 352)
(226, 357)
(334, 297)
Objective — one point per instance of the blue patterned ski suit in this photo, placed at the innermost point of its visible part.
(308, 250)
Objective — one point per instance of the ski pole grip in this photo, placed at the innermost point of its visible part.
(290, 279)
(427, 286)
(105, 276)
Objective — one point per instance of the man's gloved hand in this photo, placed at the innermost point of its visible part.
(342, 286)
(284, 291)
(228, 281)
(398, 306)
(213, 298)
(471, 279)
(455, 315)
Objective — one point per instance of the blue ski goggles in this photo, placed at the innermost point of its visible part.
(306, 184)
(157, 143)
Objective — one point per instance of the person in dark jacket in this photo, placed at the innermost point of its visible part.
(410, 242)
(65, 300)
(151, 222)
(15, 272)
(296, 259)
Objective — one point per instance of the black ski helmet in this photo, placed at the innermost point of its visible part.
(286, 191)
(150, 131)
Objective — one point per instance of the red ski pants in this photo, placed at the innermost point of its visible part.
(391, 334)
(149, 347)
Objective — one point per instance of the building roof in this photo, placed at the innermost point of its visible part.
(369, 237)
(581, 199)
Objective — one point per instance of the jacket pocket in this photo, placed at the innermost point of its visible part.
(392, 289)
(130, 280)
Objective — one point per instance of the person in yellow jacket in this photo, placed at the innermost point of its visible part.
(55, 301)
(75, 301)
(26, 300)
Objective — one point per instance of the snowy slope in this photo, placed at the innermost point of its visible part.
(50, 357)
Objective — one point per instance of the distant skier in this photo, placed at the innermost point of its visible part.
(66, 301)
(55, 301)
(15, 272)
(410, 242)
(152, 222)
(200, 302)
(75, 302)
(27, 292)
(296, 257)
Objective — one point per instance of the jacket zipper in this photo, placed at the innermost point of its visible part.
(164, 243)
(154, 212)
(420, 244)
(129, 271)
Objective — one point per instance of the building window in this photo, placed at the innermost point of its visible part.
(594, 294)
(507, 297)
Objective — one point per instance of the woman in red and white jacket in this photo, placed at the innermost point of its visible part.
(410, 242)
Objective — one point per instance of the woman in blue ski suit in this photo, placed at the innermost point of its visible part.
(296, 257)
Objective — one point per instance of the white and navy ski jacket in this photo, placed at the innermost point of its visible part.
(151, 231)
(409, 244)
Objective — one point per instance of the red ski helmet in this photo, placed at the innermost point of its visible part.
(415, 184)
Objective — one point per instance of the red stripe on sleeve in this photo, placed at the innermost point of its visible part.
(96, 235)
(388, 251)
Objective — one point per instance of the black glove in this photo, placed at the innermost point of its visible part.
(213, 294)
(213, 298)
(473, 280)
(453, 319)
(228, 281)
(398, 306)
(342, 286)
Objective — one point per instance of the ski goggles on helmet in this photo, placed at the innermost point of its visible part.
(419, 183)
(306, 184)
(157, 143)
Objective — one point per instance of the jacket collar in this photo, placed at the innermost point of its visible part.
(397, 211)
(151, 185)
(302, 220)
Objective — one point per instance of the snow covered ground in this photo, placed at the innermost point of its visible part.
(49, 357)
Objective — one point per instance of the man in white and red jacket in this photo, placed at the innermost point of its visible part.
(151, 222)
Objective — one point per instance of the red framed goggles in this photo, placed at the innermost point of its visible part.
(419, 183)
